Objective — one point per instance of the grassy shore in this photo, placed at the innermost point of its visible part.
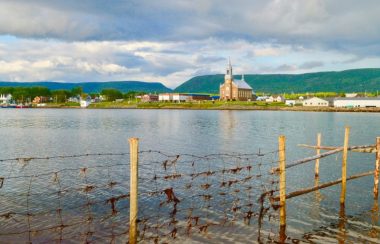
(209, 105)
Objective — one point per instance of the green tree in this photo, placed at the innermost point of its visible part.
(60, 96)
(77, 91)
(111, 94)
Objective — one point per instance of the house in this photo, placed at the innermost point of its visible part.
(40, 99)
(278, 99)
(317, 102)
(357, 102)
(234, 89)
(290, 102)
(149, 98)
(262, 98)
(75, 99)
(5, 98)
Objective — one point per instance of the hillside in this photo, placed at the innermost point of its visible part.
(343, 81)
(90, 87)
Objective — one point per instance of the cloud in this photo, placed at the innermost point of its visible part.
(170, 41)
(311, 65)
(168, 62)
(312, 22)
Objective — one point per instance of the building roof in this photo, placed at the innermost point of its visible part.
(327, 99)
(242, 84)
(357, 98)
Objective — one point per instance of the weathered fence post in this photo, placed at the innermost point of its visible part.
(377, 170)
(134, 152)
(344, 165)
(282, 162)
(318, 152)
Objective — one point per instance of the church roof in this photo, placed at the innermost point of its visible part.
(242, 84)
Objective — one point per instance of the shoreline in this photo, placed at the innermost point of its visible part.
(225, 107)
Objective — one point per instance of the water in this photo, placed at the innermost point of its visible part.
(46, 132)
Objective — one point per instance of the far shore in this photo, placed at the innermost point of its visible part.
(209, 106)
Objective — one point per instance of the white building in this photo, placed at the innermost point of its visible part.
(275, 99)
(290, 102)
(5, 98)
(262, 98)
(173, 97)
(84, 103)
(165, 97)
(177, 97)
(357, 102)
(351, 95)
(316, 102)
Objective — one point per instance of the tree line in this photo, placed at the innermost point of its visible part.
(27, 94)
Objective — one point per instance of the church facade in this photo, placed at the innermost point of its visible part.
(236, 90)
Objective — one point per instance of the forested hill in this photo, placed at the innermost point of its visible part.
(93, 87)
(356, 80)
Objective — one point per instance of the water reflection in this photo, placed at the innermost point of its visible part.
(342, 225)
(374, 232)
(56, 132)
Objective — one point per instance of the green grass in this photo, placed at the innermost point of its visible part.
(186, 105)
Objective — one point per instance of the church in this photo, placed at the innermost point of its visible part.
(236, 90)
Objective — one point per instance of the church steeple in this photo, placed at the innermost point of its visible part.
(228, 77)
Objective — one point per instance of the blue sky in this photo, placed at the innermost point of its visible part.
(170, 41)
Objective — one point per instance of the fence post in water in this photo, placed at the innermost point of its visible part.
(377, 170)
(134, 152)
(318, 152)
(282, 162)
(344, 165)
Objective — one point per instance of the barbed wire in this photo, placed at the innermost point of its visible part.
(85, 197)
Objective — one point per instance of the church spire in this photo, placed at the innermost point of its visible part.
(229, 77)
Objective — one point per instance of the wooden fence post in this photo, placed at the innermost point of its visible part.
(282, 162)
(344, 165)
(377, 169)
(134, 152)
(318, 152)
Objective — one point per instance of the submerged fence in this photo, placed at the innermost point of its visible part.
(152, 196)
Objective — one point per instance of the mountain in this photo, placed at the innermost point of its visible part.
(90, 87)
(356, 80)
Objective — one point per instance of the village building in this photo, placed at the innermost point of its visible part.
(317, 102)
(85, 102)
(40, 99)
(149, 98)
(165, 97)
(351, 95)
(5, 98)
(290, 102)
(234, 89)
(173, 97)
(198, 97)
(357, 102)
(278, 99)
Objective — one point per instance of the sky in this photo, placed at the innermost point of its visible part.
(171, 41)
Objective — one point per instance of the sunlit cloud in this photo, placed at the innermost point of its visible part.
(171, 41)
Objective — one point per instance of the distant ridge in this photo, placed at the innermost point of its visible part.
(355, 80)
(92, 87)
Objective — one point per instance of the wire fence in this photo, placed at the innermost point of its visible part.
(85, 198)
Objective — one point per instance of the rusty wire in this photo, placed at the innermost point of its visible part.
(180, 195)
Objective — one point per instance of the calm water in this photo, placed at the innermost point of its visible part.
(44, 132)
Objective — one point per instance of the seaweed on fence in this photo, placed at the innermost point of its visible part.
(86, 197)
